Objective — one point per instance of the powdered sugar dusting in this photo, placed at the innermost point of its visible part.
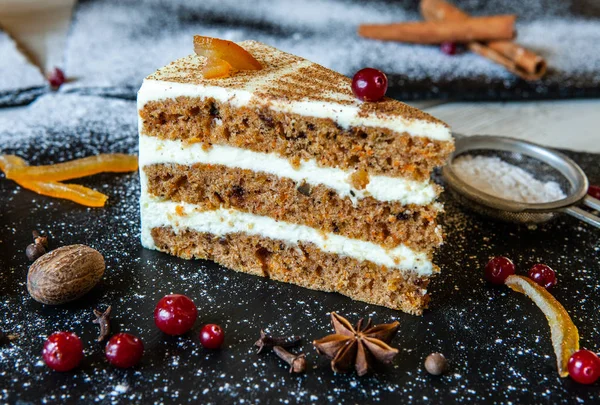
(497, 341)
(59, 126)
(20, 81)
(494, 176)
(324, 32)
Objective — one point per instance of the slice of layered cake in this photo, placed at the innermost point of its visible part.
(276, 169)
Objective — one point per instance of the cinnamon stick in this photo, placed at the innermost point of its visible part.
(518, 60)
(435, 32)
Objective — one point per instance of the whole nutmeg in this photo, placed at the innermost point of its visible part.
(64, 274)
(436, 364)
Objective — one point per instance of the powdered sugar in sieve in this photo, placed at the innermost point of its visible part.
(496, 177)
(517, 181)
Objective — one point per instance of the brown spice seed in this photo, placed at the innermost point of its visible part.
(38, 248)
(34, 251)
(436, 364)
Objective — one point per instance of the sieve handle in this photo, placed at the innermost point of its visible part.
(583, 216)
(592, 202)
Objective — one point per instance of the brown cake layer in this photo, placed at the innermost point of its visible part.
(368, 149)
(302, 264)
(215, 186)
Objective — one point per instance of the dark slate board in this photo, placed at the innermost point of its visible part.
(497, 341)
(140, 36)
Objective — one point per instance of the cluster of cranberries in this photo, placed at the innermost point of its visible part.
(63, 351)
(175, 314)
(584, 365)
(499, 268)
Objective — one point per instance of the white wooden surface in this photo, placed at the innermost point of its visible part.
(569, 124)
(40, 27)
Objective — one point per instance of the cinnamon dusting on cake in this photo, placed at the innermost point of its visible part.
(289, 78)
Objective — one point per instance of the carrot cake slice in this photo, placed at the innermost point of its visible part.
(278, 170)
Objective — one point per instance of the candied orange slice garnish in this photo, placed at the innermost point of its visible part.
(215, 68)
(229, 51)
(565, 337)
(74, 192)
(116, 162)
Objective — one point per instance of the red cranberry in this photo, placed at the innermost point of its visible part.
(369, 84)
(594, 191)
(498, 269)
(543, 275)
(449, 48)
(212, 336)
(62, 351)
(56, 78)
(175, 314)
(584, 367)
(124, 350)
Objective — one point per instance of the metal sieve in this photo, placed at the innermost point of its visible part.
(574, 179)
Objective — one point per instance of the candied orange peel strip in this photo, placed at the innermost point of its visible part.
(74, 192)
(115, 162)
(10, 162)
(564, 333)
(219, 49)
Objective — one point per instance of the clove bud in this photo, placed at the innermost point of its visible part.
(6, 338)
(297, 362)
(103, 320)
(267, 341)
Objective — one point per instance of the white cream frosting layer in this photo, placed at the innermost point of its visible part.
(382, 188)
(344, 115)
(156, 213)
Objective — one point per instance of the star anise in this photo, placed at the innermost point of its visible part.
(360, 346)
